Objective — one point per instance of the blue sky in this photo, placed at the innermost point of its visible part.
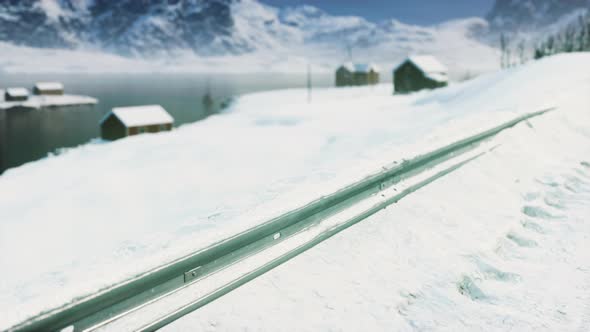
(421, 12)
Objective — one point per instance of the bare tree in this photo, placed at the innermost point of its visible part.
(569, 39)
(521, 52)
(503, 48)
(309, 83)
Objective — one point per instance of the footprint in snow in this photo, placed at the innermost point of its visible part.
(467, 287)
(537, 212)
(533, 226)
(491, 272)
(521, 241)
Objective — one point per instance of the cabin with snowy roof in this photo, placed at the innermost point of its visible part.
(419, 72)
(127, 121)
(351, 74)
(48, 89)
(16, 94)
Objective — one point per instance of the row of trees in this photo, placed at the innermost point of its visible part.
(511, 57)
(574, 38)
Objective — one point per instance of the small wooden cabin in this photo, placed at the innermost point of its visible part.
(419, 72)
(16, 94)
(353, 74)
(48, 89)
(127, 121)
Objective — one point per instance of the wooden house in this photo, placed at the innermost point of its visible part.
(48, 89)
(419, 72)
(127, 121)
(351, 74)
(16, 94)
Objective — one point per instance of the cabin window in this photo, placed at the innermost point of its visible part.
(163, 127)
(141, 130)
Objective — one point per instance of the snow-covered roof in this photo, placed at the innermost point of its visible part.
(426, 63)
(141, 115)
(429, 65)
(360, 67)
(17, 92)
(51, 86)
(37, 102)
(439, 77)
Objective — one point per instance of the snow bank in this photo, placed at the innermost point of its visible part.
(501, 244)
(101, 213)
(39, 101)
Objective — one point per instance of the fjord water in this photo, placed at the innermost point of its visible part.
(27, 135)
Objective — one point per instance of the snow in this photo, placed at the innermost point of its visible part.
(52, 9)
(360, 67)
(501, 244)
(141, 115)
(49, 86)
(105, 212)
(229, 275)
(439, 77)
(40, 101)
(17, 92)
(428, 64)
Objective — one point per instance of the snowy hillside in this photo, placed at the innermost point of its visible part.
(512, 15)
(207, 196)
(499, 245)
(247, 35)
(242, 35)
(451, 42)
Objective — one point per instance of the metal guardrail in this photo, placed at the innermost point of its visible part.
(107, 304)
(169, 311)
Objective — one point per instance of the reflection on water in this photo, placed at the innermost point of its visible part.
(27, 135)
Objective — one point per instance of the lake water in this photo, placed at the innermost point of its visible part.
(29, 135)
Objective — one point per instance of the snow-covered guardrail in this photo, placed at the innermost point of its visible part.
(162, 285)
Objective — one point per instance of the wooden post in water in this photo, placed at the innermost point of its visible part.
(308, 83)
(3, 138)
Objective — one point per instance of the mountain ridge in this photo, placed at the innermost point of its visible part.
(194, 30)
(219, 27)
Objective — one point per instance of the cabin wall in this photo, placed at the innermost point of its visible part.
(150, 129)
(373, 77)
(408, 78)
(153, 129)
(3, 140)
(361, 79)
(8, 97)
(112, 129)
(48, 92)
(346, 78)
(343, 77)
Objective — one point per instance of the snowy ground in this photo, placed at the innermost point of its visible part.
(502, 244)
(102, 213)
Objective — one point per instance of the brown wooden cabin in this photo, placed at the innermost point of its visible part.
(48, 89)
(418, 73)
(127, 121)
(16, 94)
(351, 74)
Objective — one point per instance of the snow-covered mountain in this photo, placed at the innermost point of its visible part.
(125, 27)
(513, 15)
(253, 33)
(206, 27)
